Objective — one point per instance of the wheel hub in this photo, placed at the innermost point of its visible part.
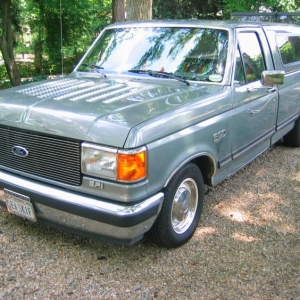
(184, 205)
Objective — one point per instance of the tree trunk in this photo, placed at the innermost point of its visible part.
(38, 50)
(138, 10)
(6, 43)
(118, 11)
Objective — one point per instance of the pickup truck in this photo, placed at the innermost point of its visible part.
(153, 112)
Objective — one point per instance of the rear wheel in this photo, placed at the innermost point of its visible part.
(181, 209)
(293, 137)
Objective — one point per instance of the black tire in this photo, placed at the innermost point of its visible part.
(181, 209)
(292, 138)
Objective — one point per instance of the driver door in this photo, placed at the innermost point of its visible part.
(255, 105)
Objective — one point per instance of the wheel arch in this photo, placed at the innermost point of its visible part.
(206, 164)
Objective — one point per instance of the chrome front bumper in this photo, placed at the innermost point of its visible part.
(83, 214)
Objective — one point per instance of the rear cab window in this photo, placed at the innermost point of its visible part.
(289, 48)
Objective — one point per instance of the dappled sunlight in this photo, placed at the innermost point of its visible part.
(285, 228)
(268, 210)
(237, 210)
(242, 237)
(277, 211)
(238, 216)
(203, 232)
(259, 209)
(4, 239)
(262, 172)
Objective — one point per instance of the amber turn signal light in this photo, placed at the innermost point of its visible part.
(131, 166)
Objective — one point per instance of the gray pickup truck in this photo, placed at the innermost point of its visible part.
(124, 145)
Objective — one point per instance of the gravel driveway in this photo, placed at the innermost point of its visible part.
(247, 246)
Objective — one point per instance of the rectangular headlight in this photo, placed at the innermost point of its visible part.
(99, 161)
(122, 165)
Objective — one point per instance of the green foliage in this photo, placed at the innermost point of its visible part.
(286, 5)
(255, 6)
(76, 18)
(209, 9)
(37, 29)
(288, 53)
(4, 82)
(181, 9)
(15, 17)
(3, 73)
(26, 70)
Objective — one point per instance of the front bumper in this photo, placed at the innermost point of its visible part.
(82, 214)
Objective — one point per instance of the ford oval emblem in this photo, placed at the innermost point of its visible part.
(19, 151)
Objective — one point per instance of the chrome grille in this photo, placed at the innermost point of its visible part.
(48, 157)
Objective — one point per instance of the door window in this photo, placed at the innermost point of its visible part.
(249, 59)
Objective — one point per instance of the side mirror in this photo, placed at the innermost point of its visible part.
(272, 77)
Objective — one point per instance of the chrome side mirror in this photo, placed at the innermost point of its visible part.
(272, 77)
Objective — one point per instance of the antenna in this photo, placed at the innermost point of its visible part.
(61, 39)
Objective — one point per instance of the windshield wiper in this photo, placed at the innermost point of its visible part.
(95, 67)
(160, 74)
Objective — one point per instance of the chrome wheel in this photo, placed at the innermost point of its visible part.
(184, 206)
(181, 209)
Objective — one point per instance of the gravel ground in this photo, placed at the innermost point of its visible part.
(246, 247)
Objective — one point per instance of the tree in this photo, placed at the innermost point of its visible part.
(138, 10)
(8, 23)
(181, 9)
(81, 21)
(118, 11)
(216, 9)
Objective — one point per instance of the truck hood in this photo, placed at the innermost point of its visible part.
(92, 109)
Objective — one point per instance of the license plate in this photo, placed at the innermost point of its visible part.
(19, 205)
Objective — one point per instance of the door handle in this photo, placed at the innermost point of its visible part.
(255, 111)
(269, 90)
(272, 89)
(251, 89)
(252, 112)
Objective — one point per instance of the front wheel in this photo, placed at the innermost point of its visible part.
(293, 137)
(181, 209)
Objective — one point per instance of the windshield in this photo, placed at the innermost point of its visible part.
(189, 53)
